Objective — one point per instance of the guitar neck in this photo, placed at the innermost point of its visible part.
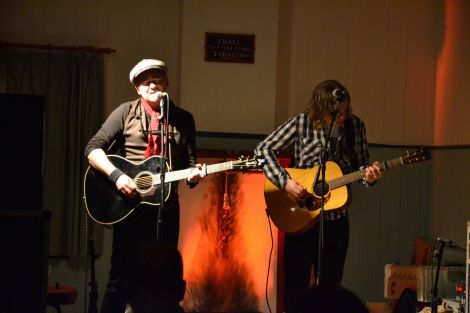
(360, 174)
(183, 174)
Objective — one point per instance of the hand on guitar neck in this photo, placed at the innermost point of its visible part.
(372, 173)
(298, 192)
(196, 174)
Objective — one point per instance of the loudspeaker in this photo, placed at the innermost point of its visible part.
(24, 242)
(22, 129)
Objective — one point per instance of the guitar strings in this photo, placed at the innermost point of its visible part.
(143, 181)
(147, 180)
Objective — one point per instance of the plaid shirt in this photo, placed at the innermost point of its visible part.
(298, 137)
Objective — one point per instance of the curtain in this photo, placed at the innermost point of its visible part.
(72, 83)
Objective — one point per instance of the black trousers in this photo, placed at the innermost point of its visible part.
(128, 233)
(301, 252)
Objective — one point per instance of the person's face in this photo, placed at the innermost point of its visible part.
(149, 83)
(343, 114)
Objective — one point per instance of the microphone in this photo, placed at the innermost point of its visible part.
(339, 94)
(161, 95)
(448, 242)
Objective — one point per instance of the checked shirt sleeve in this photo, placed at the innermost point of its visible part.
(362, 147)
(278, 141)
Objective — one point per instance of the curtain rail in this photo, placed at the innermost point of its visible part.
(56, 47)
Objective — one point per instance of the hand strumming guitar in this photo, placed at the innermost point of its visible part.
(126, 186)
(296, 190)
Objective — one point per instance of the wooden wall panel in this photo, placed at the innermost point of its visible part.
(384, 52)
(385, 219)
(230, 97)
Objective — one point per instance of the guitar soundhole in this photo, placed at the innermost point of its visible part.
(144, 182)
(317, 189)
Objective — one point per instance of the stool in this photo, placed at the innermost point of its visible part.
(61, 295)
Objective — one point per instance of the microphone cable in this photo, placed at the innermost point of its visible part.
(269, 259)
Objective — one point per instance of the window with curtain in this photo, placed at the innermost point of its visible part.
(72, 83)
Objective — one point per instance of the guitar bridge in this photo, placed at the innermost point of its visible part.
(312, 202)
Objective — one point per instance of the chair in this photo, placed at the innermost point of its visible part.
(61, 295)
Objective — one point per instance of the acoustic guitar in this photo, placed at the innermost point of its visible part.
(297, 216)
(106, 205)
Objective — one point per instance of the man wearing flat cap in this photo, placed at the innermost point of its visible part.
(133, 131)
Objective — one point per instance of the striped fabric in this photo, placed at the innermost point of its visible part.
(297, 138)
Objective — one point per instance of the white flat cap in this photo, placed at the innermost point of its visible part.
(145, 65)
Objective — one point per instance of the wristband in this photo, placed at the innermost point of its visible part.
(115, 175)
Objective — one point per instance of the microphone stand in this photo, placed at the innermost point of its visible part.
(434, 292)
(163, 120)
(91, 258)
(322, 171)
(92, 305)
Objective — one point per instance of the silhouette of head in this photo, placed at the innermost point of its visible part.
(328, 299)
(154, 276)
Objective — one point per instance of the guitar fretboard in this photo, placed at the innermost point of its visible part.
(183, 174)
(220, 167)
(358, 175)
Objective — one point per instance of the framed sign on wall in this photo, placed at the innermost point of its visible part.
(233, 48)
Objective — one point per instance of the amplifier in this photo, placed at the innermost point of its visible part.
(420, 279)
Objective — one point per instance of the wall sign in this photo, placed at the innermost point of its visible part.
(232, 48)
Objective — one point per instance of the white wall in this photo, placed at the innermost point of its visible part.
(383, 51)
(230, 97)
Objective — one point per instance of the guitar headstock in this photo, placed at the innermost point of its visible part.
(243, 163)
(415, 156)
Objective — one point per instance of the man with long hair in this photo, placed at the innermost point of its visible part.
(304, 137)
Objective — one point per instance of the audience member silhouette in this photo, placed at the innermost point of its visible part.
(328, 299)
(154, 279)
